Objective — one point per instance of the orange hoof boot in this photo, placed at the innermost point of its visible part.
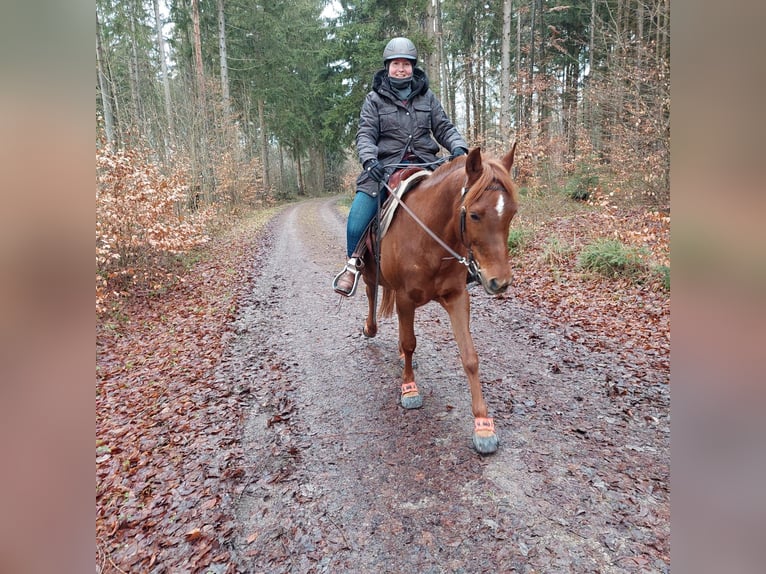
(411, 398)
(484, 438)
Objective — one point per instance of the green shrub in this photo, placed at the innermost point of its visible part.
(664, 272)
(581, 185)
(517, 238)
(612, 258)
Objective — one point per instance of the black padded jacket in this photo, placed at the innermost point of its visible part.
(390, 128)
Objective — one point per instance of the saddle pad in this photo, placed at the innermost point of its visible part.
(387, 212)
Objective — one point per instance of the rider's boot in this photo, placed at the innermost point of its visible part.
(346, 281)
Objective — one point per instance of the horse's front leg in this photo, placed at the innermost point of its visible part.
(370, 328)
(410, 398)
(484, 437)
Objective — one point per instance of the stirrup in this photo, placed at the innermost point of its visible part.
(353, 265)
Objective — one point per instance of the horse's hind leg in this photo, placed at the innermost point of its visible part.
(410, 398)
(484, 437)
(370, 328)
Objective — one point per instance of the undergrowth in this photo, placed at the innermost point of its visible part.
(612, 258)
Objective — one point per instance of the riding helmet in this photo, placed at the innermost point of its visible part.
(400, 48)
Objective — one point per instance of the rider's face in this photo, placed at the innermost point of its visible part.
(400, 68)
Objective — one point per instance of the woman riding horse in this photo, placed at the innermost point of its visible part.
(401, 122)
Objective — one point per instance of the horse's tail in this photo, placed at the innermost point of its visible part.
(387, 303)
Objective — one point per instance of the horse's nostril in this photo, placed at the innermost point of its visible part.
(496, 286)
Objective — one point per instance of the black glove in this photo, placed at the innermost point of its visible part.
(458, 151)
(375, 170)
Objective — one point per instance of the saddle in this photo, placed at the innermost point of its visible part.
(401, 181)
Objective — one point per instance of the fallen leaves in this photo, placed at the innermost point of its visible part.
(167, 450)
(630, 313)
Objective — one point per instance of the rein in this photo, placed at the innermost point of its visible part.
(469, 262)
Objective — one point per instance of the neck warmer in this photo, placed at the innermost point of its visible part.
(402, 88)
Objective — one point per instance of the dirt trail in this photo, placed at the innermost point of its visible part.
(342, 479)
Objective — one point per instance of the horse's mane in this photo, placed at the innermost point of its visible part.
(492, 170)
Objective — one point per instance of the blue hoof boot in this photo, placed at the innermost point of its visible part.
(411, 397)
(484, 438)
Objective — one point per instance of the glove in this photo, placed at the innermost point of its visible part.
(376, 171)
(458, 151)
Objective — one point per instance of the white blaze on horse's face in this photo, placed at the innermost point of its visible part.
(500, 205)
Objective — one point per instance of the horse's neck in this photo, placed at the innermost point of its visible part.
(439, 208)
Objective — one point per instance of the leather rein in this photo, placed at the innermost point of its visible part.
(469, 262)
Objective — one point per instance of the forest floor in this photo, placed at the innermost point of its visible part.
(245, 425)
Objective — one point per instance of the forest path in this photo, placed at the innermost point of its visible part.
(342, 479)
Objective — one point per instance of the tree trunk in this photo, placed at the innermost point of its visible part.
(105, 89)
(164, 67)
(639, 37)
(531, 65)
(468, 82)
(431, 61)
(224, 65)
(135, 81)
(543, 104)
(519, 99)
(200, 117)
(570, 97)
(443, 92)
(476, 92)
(316, 174)
(588, 104)
(592, 42)
(301, 187)
(197, 41)
(452, 90)
(264, 146)
(505, 75)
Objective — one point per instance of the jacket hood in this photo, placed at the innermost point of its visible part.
(381, 85)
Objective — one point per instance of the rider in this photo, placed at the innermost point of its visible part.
(400, 119)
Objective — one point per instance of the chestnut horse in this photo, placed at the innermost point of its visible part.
(468, 205)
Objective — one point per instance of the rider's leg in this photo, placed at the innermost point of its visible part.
(359, 216)
(362, 211)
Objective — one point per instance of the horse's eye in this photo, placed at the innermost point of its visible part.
(475, 216)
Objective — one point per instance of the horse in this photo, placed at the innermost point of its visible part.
(455, 220)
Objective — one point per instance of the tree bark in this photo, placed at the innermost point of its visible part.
(518, 100)
(431, 60)
(197, 40)
(224, 64)
(530, 80)
(164, 67)
(542, 96)
(301, 187)
(468, 81)
(105, 89)
(264, 145)
(135, 81)
(505, 75)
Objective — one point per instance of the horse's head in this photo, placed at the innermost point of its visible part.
(490, 201)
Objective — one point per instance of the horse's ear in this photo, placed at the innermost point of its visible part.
(473, 167)
(508, 159)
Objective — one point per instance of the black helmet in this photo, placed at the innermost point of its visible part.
(400, 48)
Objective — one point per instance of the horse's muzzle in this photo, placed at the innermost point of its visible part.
(494, 286)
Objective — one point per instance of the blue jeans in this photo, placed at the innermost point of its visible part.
(362, 211)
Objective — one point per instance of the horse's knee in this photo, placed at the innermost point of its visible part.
(471, 365)
(407, 345)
